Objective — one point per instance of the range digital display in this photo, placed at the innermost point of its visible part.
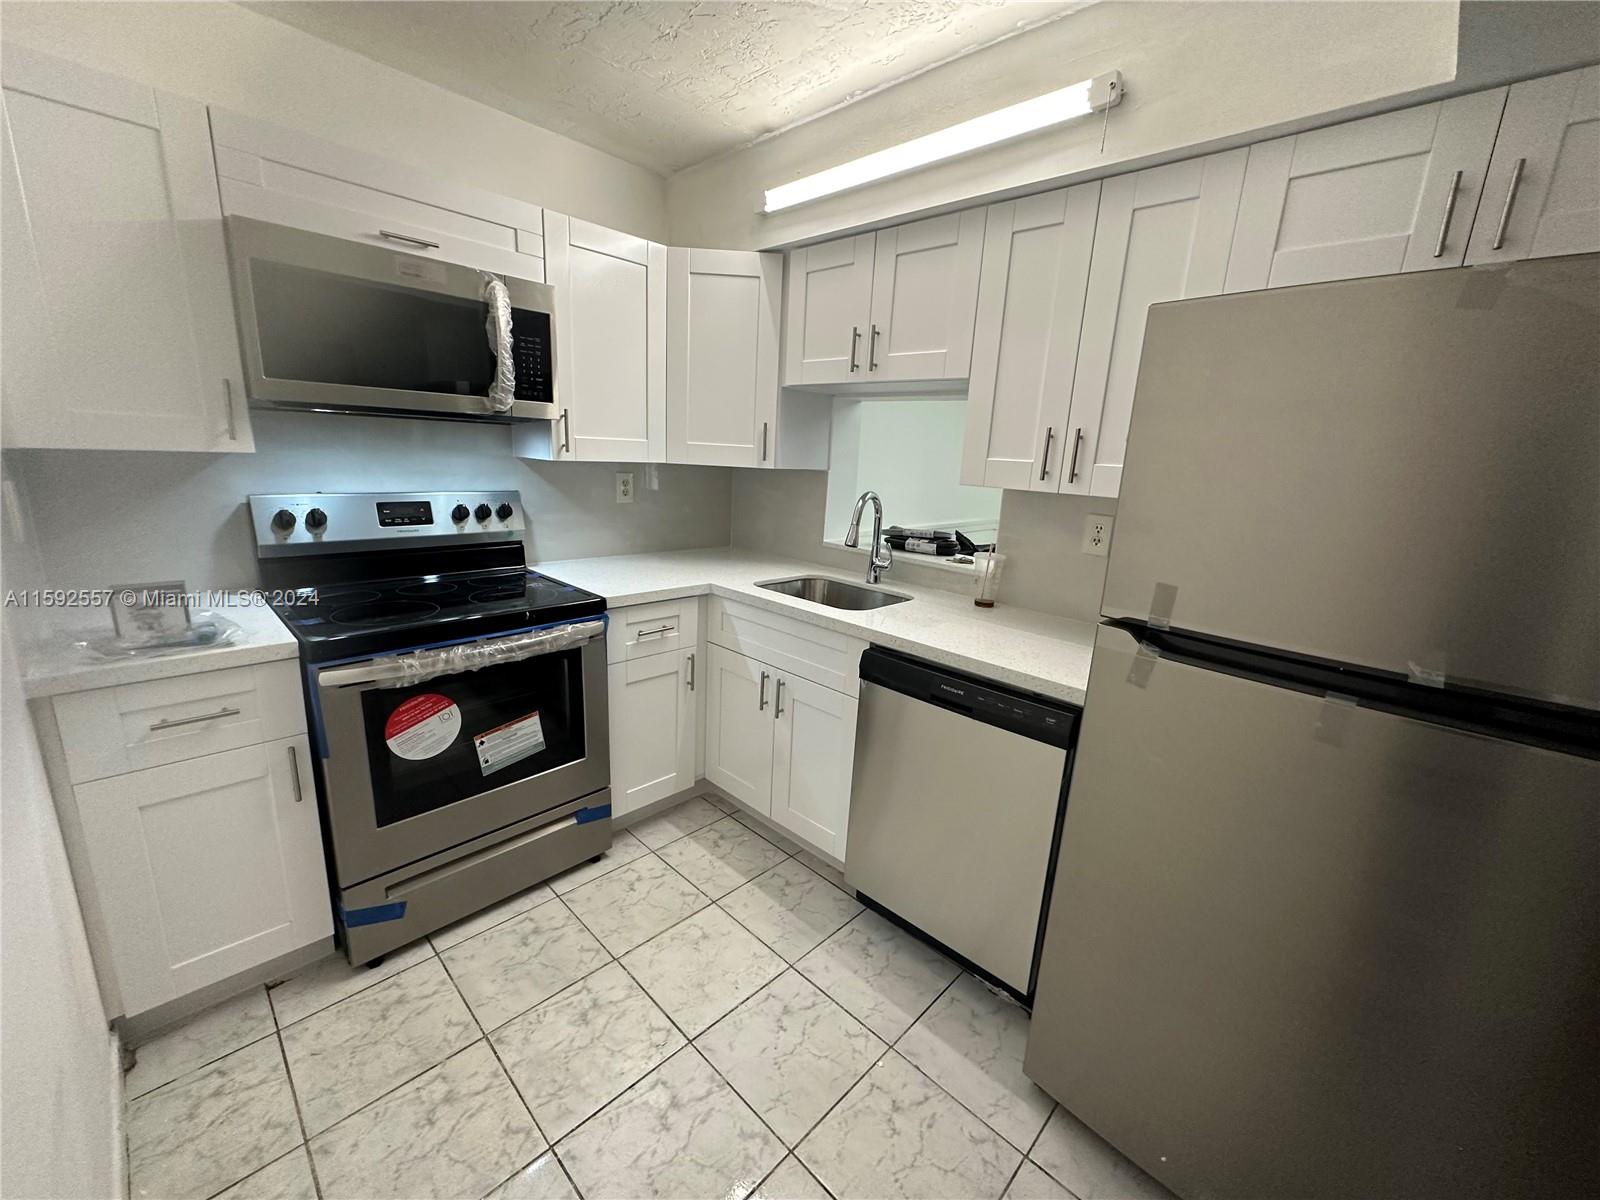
(405, 512)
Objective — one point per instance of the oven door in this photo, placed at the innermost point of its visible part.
(329, 323)
(428, 750)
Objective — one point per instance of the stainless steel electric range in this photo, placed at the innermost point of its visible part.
(457, 701)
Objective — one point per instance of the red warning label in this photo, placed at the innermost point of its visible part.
(423, 726)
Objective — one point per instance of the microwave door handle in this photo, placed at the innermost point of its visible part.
(407, 669)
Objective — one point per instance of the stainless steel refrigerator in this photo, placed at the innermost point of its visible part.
(1326, 920)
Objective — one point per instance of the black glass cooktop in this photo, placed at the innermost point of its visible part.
(350, 619)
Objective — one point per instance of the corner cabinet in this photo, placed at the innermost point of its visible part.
(898, 305)
(118, 319)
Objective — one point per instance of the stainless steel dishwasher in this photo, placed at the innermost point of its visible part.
(955, 811)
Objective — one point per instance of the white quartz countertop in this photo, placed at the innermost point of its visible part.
(1015, 646)
(55, 666)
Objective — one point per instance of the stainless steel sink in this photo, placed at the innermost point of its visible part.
(834, 593)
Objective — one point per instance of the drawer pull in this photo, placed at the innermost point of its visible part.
(656, 632)
(761, 704)
(421, 243)
(691, 672)
(294, 773)
(778, 709)
(216, 716)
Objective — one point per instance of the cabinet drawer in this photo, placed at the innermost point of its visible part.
(811, 652)
(647, 629)
(114, 730)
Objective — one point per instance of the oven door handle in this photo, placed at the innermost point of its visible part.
(403, 670)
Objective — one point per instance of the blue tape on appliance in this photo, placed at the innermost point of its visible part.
(375, 915)
(597, 812)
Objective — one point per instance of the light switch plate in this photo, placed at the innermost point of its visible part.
(624, 487)
(1097, 534)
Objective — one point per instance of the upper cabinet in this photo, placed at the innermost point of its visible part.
(1025, 351)
(1543, 192)
(722, 356)
(895, 305)
(288, 178)
(611, 342)
(1390, 193)
(118, 316)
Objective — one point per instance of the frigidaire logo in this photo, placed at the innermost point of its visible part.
(945, 687)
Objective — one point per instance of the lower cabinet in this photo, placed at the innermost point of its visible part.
(782, 744)
(206, 867)
(654, 727)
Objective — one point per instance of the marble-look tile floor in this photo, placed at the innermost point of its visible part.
(704, 1012)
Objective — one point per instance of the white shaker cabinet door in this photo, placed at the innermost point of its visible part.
(827, 310)
(611, 342)
(1385, 194)
(207, 867)
(924, 297)
(1162, 234)
(118, 316)
(813, 761)
(653, 728)
(1542, 197)
(739, 723)
(722, 358)
(1024, 353)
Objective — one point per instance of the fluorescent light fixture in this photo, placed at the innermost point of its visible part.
(1052, 108)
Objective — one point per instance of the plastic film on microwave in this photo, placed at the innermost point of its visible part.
(503, 388)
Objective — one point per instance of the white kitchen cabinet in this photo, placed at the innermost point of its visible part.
(739, 741)
(206, 867)
(1385, 194)
(273, 174)
(653, 727)
(1025, 350)
(814, 731)
(1542, 197)
(827, 309)
(118, 317)
(1162, 234)
(722, 356)
(611, 342)
(925, 298)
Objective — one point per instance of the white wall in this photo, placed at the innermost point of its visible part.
(60, 1092)
(238, 59)
(104, 517)
(1197, 72)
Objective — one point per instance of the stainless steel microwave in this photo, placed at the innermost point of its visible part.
(342, 326)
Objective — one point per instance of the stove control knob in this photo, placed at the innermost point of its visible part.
(482, 512)
(504, 512)
(316, 519)
(283, 520)
(460, 513)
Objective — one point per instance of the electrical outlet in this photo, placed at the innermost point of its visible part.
(1096, 534)
(624, 487)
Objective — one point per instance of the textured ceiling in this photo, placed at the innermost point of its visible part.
(664, 84)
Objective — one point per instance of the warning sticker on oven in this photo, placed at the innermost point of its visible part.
(423, 726)
(509, 743)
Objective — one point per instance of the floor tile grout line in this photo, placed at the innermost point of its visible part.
(422, 940)
(299, 1114)
(195, 1070)
(272, 1163)
(439, 950)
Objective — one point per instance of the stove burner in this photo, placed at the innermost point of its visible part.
(506, 591)
(437, 588)
(383, 612)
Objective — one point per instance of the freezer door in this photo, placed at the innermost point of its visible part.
(1401, 473)
(1306, 950)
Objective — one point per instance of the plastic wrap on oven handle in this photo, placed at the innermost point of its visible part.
(406, 670)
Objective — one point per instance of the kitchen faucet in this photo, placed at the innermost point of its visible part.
(875, 566)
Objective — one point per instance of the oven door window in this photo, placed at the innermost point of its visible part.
(446, 740)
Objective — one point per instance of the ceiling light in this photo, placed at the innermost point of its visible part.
(1052, 108)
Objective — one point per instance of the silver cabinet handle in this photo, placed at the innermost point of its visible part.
(691, 671)
(778, 708)
(855, 341)
(656, 632)
(1044, 461)
(762, 703)
(872, 351)
(227, 407)
(1449, 211)
(408, 239)
(294, 773)
(566, 431)
(1511, 199)
(173, 724)
(1077, 445)
(763, 441)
